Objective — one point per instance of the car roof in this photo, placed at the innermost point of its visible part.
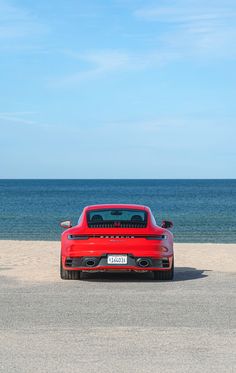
(115, 205)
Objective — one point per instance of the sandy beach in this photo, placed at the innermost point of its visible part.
(117, 322)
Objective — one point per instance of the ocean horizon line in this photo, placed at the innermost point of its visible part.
(109, 179)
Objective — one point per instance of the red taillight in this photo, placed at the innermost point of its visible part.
(157, 237)
(77, 237)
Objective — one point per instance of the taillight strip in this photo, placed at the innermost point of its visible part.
(118, 236)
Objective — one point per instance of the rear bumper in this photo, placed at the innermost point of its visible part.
(99, 263)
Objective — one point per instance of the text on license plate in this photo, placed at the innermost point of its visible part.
(117, 259)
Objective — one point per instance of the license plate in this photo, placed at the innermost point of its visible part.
(117, 259)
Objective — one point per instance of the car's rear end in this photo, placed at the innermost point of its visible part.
(120, 238)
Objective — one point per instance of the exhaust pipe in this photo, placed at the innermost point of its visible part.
(142, 262)
(90, 262)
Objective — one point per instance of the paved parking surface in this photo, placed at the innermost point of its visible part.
(120, 323)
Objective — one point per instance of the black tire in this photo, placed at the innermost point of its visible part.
(164, 275)
(69, 275)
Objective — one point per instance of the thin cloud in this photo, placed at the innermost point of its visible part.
(183, 15)
(19, 28)
(102, 62)
(97, 63)
(194, 28)
(16, 117)
(22, 118)
(186, 30)
(10, 113)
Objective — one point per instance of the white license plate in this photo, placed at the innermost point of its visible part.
(117, 259)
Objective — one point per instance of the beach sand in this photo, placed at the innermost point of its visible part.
(37, 261)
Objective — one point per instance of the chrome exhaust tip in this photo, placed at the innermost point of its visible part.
(90, 262)
(142, 262)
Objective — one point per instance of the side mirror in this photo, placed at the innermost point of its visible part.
(167, 224)
(66, 224)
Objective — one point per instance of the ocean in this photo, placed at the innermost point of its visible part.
(201, 210)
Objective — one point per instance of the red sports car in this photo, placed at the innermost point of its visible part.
(117, 237)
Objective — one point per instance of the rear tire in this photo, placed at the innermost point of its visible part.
(164, 275)
(69, 275)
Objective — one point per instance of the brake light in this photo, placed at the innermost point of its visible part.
(77, 237)
(157, 237)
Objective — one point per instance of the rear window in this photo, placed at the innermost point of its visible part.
(117, 218)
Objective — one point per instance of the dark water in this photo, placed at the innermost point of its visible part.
(202, 210)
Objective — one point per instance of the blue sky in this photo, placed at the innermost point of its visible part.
(117, 89)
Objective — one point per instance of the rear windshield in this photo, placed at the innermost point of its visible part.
(117, 218)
